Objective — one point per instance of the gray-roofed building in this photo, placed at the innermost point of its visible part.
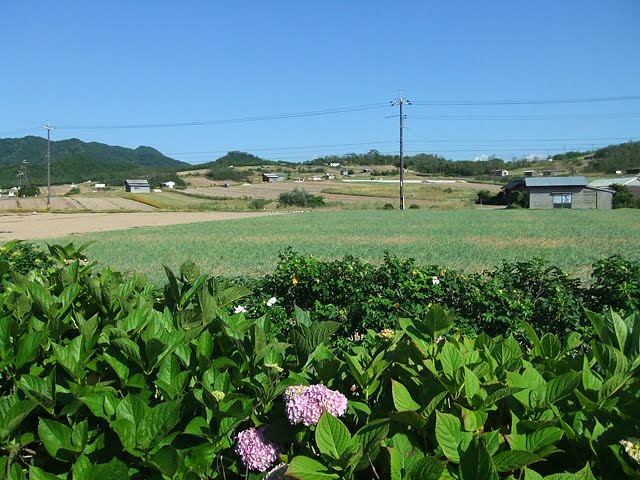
(606, 182)
(272, 177)
(566, 192)
(137, 186)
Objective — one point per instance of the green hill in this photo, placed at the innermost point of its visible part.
(242, 159)
(76, 161)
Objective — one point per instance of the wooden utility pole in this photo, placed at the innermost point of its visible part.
(48, 127)
(401, 102)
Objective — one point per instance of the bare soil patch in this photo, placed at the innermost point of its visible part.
(44, 226)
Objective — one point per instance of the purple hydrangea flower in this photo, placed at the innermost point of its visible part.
(255, 451)
(306, 404)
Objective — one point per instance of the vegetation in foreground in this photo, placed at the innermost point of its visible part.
(104, 375)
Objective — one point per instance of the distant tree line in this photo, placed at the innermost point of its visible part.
(616, 157)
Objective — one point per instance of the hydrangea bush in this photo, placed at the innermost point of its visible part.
(104, 376)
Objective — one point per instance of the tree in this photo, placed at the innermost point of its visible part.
(623, 198)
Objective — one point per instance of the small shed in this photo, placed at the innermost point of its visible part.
(137, 186)
(169, 184)
(499, 173)
(272, 177)
(566, 192)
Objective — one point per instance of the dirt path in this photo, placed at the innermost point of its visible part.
(43, 226)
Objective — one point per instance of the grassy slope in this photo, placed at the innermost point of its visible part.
(471, 240)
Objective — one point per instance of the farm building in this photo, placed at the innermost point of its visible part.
(169, 184)
(272, 177)
(606, 182)
(499, 173)
(137, 186)
(566, 192)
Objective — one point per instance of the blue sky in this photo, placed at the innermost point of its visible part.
(231, 67)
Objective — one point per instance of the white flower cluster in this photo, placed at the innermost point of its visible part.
(632, 447)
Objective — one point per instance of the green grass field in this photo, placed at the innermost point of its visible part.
(470, 240)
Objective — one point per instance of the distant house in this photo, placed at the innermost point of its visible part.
(169, 184)
(100, 186)
(137, 186)
(530, 173)
(329, 176)
(272, 177)
(344, 173)
(566, 192)
(499, 173)
(334, 164)
(607, 182)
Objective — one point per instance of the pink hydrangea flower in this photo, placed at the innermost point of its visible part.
(255, 451)
(306, 404)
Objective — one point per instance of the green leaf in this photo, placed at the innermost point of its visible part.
(509, 460)
(370, 437)
(56, 438)
(471, 384)
(450, 359)
(12, 412)
(427, 468)
(305, 468)
(531, 475)
(543, 437)
(437, 321)
(402, 398)
(332, 436)
(166, 460)
(449, 435)
(157, 423)
(498, 395)
(562, 386)
(28, 347)
(473, 419)
(36, 473)
(475, 462)
(403, 455)
(618, 326)
(83, 469)
(550, 345)
(530, 333)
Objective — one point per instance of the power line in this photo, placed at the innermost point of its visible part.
(528, 102)
(526, 117)
(227, 121)
(23, 130)
(524, 140)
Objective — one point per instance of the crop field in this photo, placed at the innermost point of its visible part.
(469, 240)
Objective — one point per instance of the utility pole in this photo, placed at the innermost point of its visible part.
(399, 103)
(48, 127)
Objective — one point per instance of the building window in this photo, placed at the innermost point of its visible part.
(562, 200)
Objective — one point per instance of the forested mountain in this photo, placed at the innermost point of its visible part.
(77, 161)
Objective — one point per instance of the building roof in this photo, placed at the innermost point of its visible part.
(556, 182)
(136, 182)
(605, 182)
(272, 175)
